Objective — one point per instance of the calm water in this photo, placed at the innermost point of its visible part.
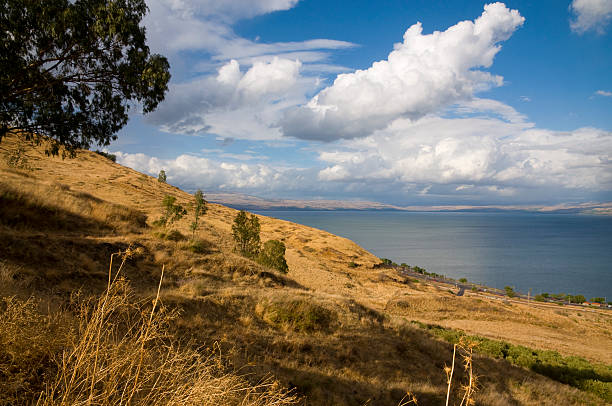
(545, 252)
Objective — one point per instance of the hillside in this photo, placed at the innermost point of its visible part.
(331, 332)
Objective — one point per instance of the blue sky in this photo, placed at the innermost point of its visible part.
(405, 101)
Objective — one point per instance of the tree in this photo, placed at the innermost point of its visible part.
(598, 299)
(161, 177)
(246, 233)
(171, 211)
(199, 208)
(70, 70)
(576, 298)
(273, 256)
(509, 291)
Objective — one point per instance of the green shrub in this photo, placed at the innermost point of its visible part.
(574, 371)
(299, 315)
(199, 246)
(598, 300)
(463, 280)
(474, 289)
(509, 291)
(172, 235)
(352, 265)
(273, 256)
(161, 177)
(540, 298)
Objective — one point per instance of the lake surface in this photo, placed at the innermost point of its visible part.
(555, 253)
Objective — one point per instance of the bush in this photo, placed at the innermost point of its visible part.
(245, 231)
(299, 315)
(463, 280)
(199, 246)
(509, 291)
(540, 298)
(273, 256)
(598, 300)
(161, 177)
(172, 235)
(352, 265)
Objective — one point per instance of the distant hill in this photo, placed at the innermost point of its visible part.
(248, 202)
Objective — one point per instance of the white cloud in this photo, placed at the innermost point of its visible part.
(591, 15)
(234, 103)
(191, 172)
(421, 75)
(603, 93)
(475, 155)
(190, 25)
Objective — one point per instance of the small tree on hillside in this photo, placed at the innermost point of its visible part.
(273, 256)
(509, 291)
(161, 178)
(171, 211)
(246, 233)
(199, 209)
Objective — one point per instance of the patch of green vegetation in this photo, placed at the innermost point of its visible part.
(463, 280)
(353, 264)
(198, 246)
(273, 256)
(172, 235)
(509, 291)
(299, 315)
(573, 371)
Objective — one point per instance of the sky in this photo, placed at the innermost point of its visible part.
(406, 102)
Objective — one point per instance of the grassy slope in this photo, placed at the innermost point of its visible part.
(338, 334)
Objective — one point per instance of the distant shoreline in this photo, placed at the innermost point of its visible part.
(253, 203)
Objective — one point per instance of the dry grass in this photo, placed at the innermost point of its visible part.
(356, 348)
(120, 353)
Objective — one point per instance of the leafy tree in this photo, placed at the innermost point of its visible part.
(70, 69)
(273, 256)
(598, 299)
(576, 298)
(246, 233)
(463, 280)
(199, 208)
(171, 211)
(161, 178)
(509, 291)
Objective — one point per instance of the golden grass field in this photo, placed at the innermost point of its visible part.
(351, 342)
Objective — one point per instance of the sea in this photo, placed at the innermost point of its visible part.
(553, 253)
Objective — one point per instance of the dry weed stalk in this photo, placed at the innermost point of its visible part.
(466, 348)
(123, 355)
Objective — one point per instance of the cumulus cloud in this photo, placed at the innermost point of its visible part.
(421, 75)
(474, 154)
(193, 172)
(591, 15)
(234, 103)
